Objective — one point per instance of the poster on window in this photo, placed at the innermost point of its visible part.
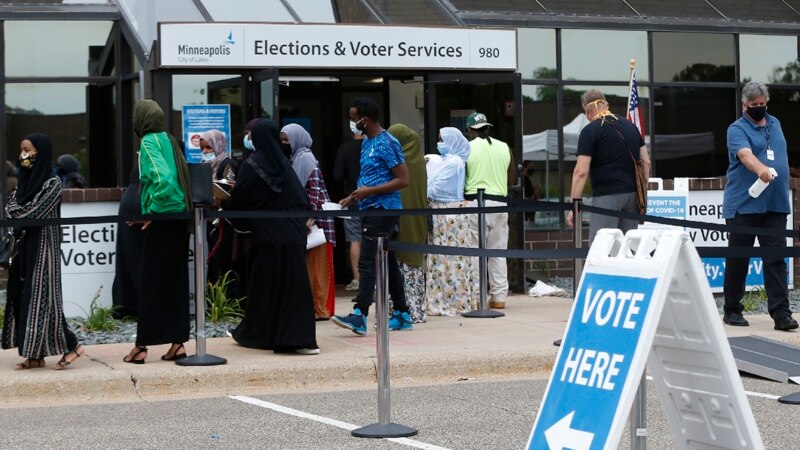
(210, 119)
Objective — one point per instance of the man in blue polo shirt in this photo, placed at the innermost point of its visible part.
(757, 151)
(383, 174)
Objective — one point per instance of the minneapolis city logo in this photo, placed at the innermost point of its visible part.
(209, 51)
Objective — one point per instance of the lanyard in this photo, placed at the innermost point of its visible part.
(766, 135)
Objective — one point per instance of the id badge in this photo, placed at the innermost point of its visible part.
(770, 154)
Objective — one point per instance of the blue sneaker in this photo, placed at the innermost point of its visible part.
(400, 321)
(355, 322)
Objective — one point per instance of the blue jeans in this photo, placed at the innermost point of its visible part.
(373, 227)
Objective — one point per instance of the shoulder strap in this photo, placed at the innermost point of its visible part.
(622, 135)
(263, 175)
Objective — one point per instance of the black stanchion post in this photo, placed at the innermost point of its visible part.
(483, 312)
(201, 358)
(639, 417)
(384, 428)
(577, 227)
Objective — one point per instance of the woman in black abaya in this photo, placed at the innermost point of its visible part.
(280, 313)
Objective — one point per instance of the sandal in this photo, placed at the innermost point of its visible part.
(174, 355)
(131, 358)
(30, 364)
(64, 362)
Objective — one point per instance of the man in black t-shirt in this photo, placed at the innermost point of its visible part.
(346, 170)
(605, 147)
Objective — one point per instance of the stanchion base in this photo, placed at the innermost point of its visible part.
(483, 314)
(201, 360)
(388, 430)
(791, 399)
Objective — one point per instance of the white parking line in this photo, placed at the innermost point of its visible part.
(328, 421)
(750, 393)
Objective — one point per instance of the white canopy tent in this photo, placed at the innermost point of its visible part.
(544, 146)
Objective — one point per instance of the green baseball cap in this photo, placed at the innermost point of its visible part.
(477, 121)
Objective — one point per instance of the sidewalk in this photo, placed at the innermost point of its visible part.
(445, 349)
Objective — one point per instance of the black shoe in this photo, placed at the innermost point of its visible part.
(785, 323)
(557, 343)
(735, 319)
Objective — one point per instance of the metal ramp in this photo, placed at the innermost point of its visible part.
(767, 358)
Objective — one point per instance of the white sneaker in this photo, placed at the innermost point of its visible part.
(307, 351)
(353, 286)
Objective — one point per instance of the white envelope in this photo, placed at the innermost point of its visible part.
(315, 238)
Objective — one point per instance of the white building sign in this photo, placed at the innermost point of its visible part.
(260, 45)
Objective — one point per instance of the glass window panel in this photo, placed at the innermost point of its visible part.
(575, 119)
(785, 105)
(194, 90)
(352, 11)
(537, 53)
(30, 49)
(540, 150)
(675, 8)
(497, 5)
(603, 55)
(314, 10)
(693, 57)
(249, 10)
(144, 15)
(676, 135)
(56, 109)
(769, 59)
(608, 8)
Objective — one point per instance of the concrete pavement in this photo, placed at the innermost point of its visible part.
(445, 349)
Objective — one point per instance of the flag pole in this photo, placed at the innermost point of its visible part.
(638, 418)
(630, 88)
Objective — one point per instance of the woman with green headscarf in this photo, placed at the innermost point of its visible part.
(413, 229)
(163, 289)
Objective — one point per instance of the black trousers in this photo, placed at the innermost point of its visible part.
(774, 269)
(372, 228)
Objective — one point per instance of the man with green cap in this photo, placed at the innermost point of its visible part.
(490, 166)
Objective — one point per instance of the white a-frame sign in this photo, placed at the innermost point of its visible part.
(643, 298)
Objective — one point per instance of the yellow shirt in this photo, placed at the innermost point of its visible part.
(487, 167)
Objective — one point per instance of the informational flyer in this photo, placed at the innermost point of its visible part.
(197, 119)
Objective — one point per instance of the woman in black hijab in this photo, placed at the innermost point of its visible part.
(34, 317)
(279, 314)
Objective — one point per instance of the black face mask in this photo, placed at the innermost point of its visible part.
(286, 149)
(757, 112)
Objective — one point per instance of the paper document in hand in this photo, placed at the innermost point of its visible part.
(331, 206)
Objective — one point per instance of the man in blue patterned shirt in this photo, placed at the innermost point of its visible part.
(383, 174)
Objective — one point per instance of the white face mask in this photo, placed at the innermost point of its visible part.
(355, 130)
(248, 143)
(208, 157)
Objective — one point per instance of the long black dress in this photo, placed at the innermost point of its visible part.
(279, 313)
(130, 240)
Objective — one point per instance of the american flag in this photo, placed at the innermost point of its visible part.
(634, 112)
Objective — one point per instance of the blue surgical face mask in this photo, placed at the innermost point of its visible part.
(443, 148)
(208, 157)
(248, 144)
(355, 130)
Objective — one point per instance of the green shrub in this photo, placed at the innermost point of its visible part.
(99, 318)
(2, 314)
(221, 307)
(754, 299)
